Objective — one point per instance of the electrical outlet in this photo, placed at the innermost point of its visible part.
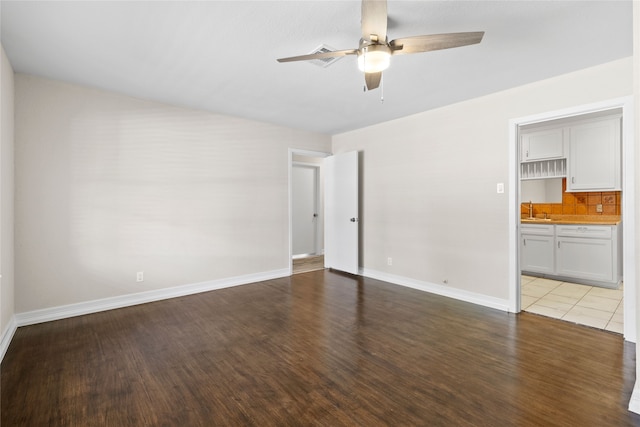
(599, 208)
(389, 261)
(500, 188)
(140, 276)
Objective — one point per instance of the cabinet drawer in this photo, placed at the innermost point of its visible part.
(591, 231)
(537, 229)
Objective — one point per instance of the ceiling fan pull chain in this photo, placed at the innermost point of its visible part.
(364, 64)
(382, 89)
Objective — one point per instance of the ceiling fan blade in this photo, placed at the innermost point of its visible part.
(431, 42)
(332, 54)
(374, 20)
(372, 80)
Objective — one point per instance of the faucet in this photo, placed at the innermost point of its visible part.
(530, 209)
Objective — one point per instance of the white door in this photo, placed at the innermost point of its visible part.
(304, 209)
(341, 212)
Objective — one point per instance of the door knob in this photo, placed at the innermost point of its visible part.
(354, 220)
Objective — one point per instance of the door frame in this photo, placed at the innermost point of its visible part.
(628, 201)
(290, 154)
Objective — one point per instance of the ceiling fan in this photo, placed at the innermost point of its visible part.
(374, 51)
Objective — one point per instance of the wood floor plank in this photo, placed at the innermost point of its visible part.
(308, 263)
(317, 348)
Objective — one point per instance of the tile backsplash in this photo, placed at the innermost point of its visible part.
(578, 203)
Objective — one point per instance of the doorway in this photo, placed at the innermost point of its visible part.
(306, 210)
(307, 220)
(623, 105)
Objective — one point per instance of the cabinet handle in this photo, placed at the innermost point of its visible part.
(573, 179)
(525, 242)
(527, 155)
(558, 245)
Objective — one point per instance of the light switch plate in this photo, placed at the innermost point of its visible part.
(500, 188)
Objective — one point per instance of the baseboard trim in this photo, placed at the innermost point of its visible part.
(634, 402)
(7, 336)
(95, 306)
(472, 297)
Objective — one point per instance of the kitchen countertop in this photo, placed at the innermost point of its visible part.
(573, 219)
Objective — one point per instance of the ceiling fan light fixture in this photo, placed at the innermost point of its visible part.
(374, 58)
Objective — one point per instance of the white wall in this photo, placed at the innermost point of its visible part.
(430, 198)
(6, 194)
(109, 185)
(547, 190)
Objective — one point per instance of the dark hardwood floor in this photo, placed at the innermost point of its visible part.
(317, 348)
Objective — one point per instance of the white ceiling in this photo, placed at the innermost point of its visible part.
(220, 56)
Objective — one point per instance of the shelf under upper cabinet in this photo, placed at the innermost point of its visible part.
(540, 169)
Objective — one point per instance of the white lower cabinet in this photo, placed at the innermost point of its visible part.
(536, 248)
(584, 258)
(589, 254)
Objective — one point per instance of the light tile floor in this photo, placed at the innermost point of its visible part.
(587, 305)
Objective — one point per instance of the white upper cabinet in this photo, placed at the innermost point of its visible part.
(542, 144)
(586, 151)
(594, 159)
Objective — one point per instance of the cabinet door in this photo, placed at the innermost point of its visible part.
(585, 258)
(536, 253)
(594, 156)
(542, 144)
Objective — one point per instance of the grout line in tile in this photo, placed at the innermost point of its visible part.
(575, 304)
